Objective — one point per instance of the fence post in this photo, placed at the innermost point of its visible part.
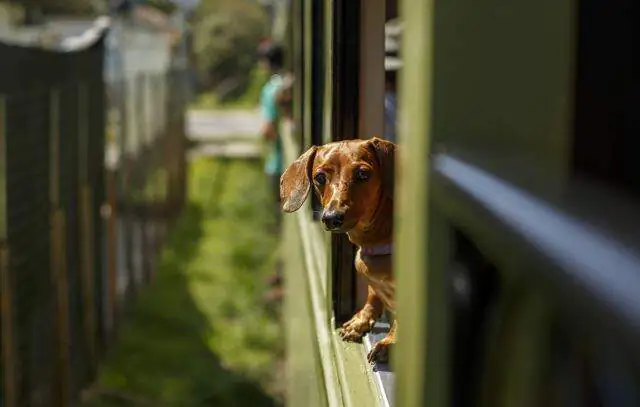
(126, 181)
(58, 256)
(9, 397)
(110, 216)
(151, 101)
(173, 141)
(87, 272)
(145, 159)
(182, 139)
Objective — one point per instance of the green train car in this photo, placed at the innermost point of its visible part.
(517, 244)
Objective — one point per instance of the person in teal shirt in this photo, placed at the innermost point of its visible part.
(272, 59)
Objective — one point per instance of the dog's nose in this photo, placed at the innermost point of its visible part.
(333, 220)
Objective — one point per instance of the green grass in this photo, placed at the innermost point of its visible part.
(200, 334)
(248, 100)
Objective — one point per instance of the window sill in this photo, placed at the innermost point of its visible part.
(383, 376)
(358, 380)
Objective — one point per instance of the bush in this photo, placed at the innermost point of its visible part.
(226, 35)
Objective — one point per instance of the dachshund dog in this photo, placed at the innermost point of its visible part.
(354, 181)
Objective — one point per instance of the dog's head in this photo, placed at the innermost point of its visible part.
(350, 178)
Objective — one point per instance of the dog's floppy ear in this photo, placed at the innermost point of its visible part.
(295, 182)
(385, 152)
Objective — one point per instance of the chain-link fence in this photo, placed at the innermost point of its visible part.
(90, 178)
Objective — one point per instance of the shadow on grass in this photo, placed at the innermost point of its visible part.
(198, 335)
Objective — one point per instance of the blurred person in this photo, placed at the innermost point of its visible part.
(271, 59)
(392, 64)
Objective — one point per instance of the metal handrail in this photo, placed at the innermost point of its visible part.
(593, 269)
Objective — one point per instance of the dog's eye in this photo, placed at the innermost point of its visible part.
(320, 178)
(362, 174)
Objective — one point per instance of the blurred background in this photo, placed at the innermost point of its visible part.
(134, 206)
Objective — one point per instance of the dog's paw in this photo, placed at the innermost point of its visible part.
(354, 329)
(380, 352)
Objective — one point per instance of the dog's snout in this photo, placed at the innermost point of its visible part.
(333, 219)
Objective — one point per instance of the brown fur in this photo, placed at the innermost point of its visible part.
(366, 207)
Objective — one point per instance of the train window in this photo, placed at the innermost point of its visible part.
(606, 124)
(474, 286)
(391, 9)
(371, 79)
(317, 84)
(585, 371)
(605, 141)
(344, 124)
(387, 129)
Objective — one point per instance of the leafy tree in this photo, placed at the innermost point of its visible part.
(226, 35)
(85, 6)
(64, 6)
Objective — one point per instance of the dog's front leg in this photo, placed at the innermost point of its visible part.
(362, 322)
(380, 351)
